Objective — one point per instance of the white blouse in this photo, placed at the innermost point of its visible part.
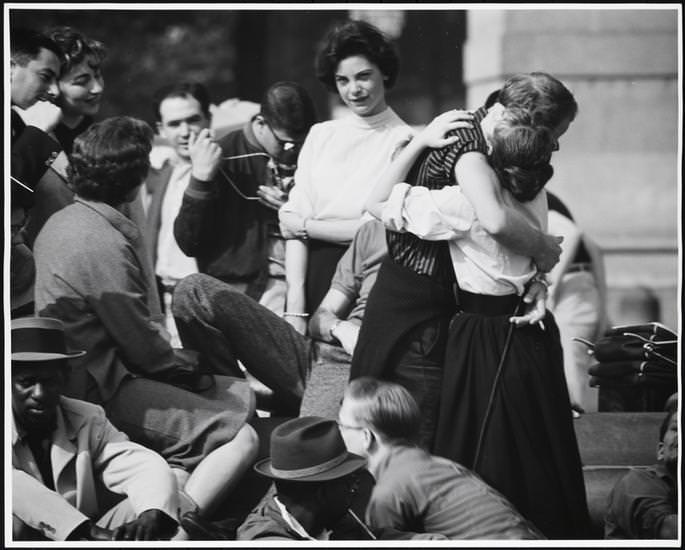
(481, 264)
(339, 164)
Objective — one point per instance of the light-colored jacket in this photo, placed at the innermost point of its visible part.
(88, 455)
(93, 273)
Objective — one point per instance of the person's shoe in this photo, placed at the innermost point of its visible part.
(201, 529)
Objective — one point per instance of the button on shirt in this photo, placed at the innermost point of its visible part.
(172, 264)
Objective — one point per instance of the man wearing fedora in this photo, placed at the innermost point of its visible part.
(68, 460)
(315, 479)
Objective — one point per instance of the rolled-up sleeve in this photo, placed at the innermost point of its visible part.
(434, 215)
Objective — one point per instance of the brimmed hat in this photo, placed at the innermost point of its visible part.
(308, 448)
(39, 339)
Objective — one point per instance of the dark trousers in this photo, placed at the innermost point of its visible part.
(227, 326)
(418, 365)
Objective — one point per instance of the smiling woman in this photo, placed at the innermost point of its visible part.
(80, 83)
(339, 162)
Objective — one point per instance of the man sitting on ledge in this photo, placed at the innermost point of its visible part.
(643, 504)
(65, 453)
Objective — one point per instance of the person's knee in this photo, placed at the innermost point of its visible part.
(248, 440)
(189, 293)
(189, 285)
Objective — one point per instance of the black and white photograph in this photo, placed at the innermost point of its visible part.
(358, 274)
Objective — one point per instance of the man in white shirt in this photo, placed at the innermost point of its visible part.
(182, 109)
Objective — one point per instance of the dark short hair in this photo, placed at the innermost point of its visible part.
(542, 94)
(25, 45)
(386, 407)
(287, 106)
(521, 154)
(110, 159)
(75, 48)
(666, 421)
(356, 38)
(182, 89)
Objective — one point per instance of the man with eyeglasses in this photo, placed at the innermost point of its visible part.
(416, 491)
(228, 218)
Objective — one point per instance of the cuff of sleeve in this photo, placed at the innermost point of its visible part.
(391, 211)
(65, 527)
(199, 189)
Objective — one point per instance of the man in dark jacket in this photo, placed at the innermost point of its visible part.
(34, 67)
(228, 218)
(315, 479)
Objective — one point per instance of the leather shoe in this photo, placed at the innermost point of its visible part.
(201, 529)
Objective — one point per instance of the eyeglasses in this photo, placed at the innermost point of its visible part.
(285, 144)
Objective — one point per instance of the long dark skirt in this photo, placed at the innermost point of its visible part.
(529, 451)
(321, 263)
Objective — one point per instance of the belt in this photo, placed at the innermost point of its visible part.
(575, 268)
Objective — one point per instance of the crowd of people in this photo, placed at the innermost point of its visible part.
(388, 288)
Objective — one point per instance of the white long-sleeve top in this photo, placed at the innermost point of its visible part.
(481, 264)
(339, 163)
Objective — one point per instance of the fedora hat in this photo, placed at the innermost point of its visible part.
(308, 448)
(40, 339)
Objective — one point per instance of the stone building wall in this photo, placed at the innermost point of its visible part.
(619, 168)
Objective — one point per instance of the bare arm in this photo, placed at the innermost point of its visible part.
(432, 135)
(296, 258)
(508, 227)
(329, 322)
(565, 227)
(336, 231)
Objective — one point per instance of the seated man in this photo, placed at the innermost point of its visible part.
(92, 273)
(228, 326)
(315, 479)
(414, 490)
(66, 454)
(644, 504)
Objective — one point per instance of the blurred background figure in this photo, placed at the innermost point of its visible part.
(639, 304)
(577, 297)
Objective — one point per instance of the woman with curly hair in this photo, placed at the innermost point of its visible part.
(339, 162)
(93, 274)
(503, 407)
